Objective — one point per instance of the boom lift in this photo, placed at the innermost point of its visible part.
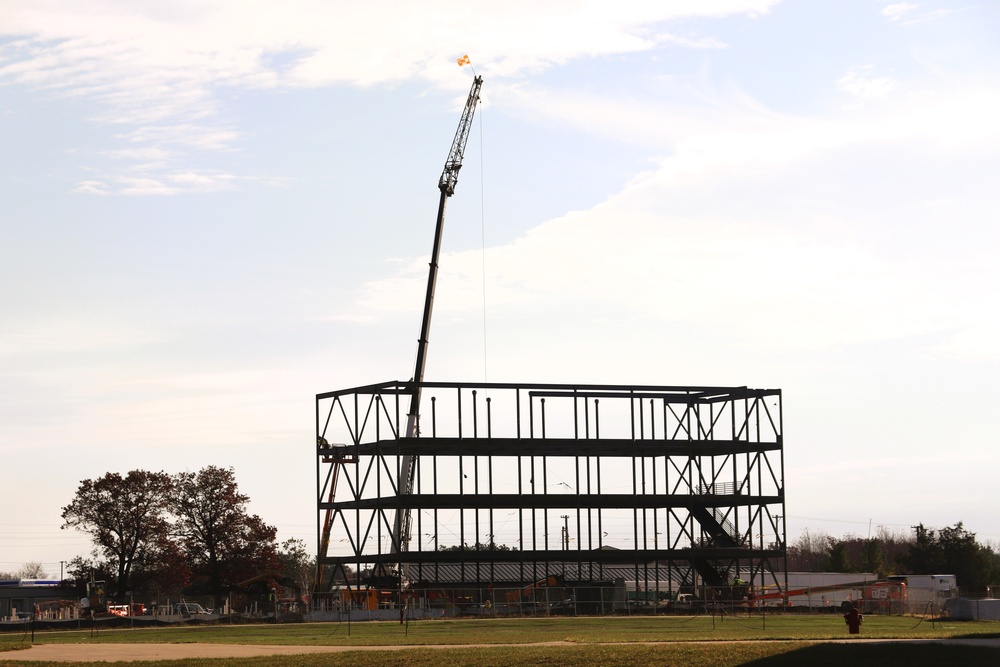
(882, 591)
(529, 591)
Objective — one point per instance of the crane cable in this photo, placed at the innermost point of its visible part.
(482, 227)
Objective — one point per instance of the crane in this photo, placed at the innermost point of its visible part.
(446, 186)
(407, 473)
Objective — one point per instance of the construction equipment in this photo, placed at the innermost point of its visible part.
(528, 592)
(337, 453)
(339, 456)
(97, 602)
(881, 591)
(446, 185)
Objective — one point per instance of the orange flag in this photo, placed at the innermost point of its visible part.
(464, 60)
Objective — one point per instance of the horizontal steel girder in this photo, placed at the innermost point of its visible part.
(550, 447)
(529, 501)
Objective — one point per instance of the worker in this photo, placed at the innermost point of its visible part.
(854, 618)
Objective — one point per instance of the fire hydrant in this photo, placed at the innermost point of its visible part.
(854, 618)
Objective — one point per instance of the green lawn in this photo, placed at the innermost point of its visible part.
(534, 630)
(596, 641)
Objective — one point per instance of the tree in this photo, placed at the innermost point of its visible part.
(30, 570)
(295, 562)
(924, 555)
(164, 571)
(124, 517)
(970, 562)
(224, 543)
(840, 559)
(873, 558)
(80, 570)
(808, 553)
(952, 550)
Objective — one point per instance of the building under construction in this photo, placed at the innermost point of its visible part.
(466, 490)
(672, 488)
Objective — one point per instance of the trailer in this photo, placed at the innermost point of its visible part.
(836, 591)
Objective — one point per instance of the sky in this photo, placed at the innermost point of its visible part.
(214, 210)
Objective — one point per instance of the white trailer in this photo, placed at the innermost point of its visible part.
(927, 593)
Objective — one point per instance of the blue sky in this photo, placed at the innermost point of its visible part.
(215, 210)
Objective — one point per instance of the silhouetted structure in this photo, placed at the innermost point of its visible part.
(684, 486)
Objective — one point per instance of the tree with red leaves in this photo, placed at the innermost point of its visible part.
(224, 543)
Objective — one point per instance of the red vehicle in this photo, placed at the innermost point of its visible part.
(135, 609)
(878, 594)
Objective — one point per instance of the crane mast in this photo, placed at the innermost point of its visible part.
(446, 185)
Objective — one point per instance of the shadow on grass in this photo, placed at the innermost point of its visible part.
(902, 654)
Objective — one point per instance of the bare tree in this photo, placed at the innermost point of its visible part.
(297, 563)
(31, 570)
(809, 553)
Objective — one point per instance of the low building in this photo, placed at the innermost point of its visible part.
(23, 599)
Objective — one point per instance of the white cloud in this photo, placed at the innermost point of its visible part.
(693, 42)
(67, 334)
(155, 67)
(147, 154)
(694, 109)
(863, 84)
(978, 342)
(145, 186)
(166, 182)
(184, 135)
(736, 229)
(830, 255)
(92, 187)
(897, 10)
(204, 182)
(908, 11)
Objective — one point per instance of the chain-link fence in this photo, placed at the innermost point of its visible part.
(596, 600)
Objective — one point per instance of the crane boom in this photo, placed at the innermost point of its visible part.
(449, 177)
(446, 184)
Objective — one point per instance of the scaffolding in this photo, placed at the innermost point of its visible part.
(683, 487)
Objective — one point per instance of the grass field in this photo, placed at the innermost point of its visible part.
(689, 641)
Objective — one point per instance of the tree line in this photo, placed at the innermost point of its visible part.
(950, 550)
(157, 534)
(30, 570)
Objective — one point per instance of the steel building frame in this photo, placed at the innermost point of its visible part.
(662, 479)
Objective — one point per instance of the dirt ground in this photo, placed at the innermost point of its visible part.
(131, 652)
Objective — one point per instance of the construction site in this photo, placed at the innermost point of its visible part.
(531, 498)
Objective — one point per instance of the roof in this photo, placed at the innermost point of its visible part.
(488, 573)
